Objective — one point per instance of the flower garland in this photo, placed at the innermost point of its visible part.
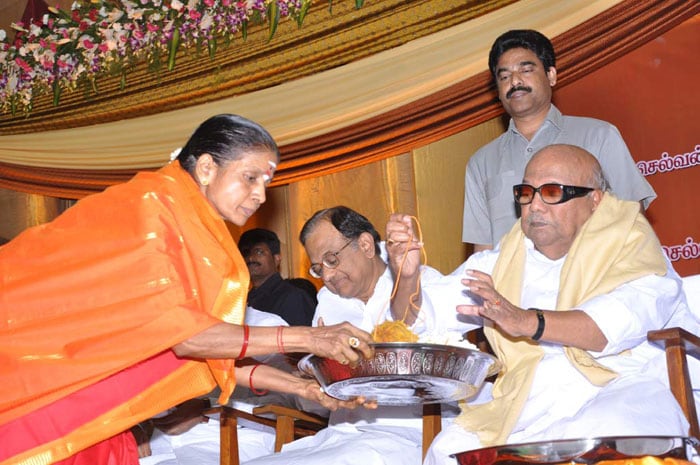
(64, 50)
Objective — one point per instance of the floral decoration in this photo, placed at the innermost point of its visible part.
(67, 49)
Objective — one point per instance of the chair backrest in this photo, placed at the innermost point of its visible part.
(680, 344)
(691, 287)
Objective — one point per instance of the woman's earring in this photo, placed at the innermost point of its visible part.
(204, 182)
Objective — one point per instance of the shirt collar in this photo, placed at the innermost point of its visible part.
(554, 117)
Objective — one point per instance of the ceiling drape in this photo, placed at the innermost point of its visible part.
(428, 89)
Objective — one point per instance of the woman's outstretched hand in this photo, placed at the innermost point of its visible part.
(343, 342)
(313, 391)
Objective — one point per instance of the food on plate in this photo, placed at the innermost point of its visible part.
(393, 331)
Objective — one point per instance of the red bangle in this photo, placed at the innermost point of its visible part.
(280, 344)
(244, 347)
(261, 392)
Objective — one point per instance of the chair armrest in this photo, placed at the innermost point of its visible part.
(676, 337)
(226, 411)
(279, 410)
(678, 344)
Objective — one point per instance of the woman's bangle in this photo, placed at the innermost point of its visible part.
(280, 343)
(244, 347)
(261, 392)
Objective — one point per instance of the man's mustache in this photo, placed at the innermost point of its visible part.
(535, 218)
(252, 262)
(517, 89)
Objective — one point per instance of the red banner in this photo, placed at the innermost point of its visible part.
(652, 96)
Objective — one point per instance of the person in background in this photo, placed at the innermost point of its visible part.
(567, 299)
(522, 63)
(270, 292)
(346, 252)
(306, 286)
(133, 301)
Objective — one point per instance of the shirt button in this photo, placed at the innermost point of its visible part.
(529, 149)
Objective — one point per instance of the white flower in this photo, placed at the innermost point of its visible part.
(34, 29)
(206, 21)
(175, 153)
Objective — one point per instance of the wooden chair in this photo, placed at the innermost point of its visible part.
(289, 424)
(678, 344)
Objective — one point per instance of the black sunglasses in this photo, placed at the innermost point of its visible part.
(551, 194)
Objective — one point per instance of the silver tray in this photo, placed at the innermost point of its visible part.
(575, 451)
(405, 373)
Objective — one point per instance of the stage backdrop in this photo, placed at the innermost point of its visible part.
(652, 96)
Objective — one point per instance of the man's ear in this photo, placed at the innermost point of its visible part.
(597, 196)
(552, 76)
(278, 260)
(366, 243)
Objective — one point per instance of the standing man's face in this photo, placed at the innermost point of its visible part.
(524, 86)
(261, 262)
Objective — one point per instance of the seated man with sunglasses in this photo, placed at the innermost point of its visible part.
(566, 298)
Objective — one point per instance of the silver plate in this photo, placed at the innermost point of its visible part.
(405, 373)
(578, 451)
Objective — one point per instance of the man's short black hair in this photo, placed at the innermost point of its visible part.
(529, 39)
(346, 220)
(252, 237)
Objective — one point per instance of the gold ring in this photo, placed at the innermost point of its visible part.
(344, 362)
(354, 342)
(390, 241)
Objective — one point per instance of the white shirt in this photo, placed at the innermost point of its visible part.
(624, 315)
(335, 309)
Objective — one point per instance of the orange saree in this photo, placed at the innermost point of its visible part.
(91, 303)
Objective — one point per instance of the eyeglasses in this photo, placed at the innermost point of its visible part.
(330, 260)
(551, 194)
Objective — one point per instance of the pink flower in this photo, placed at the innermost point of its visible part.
(47, 63)
(23, 64)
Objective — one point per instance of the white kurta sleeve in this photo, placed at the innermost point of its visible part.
(626, 314)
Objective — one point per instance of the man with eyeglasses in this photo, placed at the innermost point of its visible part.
(346, 252)
(270, 292)
(566, 300)
(522, 63)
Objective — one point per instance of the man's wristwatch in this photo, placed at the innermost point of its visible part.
(540, 324)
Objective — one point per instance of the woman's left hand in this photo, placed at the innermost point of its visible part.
(313, 391)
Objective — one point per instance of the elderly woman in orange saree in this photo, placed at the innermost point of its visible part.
(132, 301)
